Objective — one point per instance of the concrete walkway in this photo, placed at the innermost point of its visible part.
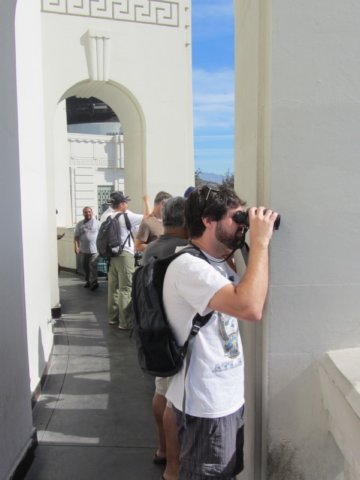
(93, 418)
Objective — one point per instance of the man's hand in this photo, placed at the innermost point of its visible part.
(246, 300)
(261, 223)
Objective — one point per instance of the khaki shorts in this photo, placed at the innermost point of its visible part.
(161, 386)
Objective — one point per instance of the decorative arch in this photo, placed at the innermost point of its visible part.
(130, 114)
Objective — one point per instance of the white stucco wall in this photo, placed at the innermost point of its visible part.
(150, 65)
(315, 275)
(15, 406)
(38, 215)
(300, 157)
(62, 191)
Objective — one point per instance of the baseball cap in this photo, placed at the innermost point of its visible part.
(118, 197)
(188, 191)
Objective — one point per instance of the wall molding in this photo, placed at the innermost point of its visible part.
(164, 13)
(98, 47)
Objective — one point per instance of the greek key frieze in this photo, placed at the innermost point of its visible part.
(155, 12)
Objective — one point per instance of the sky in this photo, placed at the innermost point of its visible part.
(213, 84)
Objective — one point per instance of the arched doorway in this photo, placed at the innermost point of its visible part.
(95, 142)
(117, 151)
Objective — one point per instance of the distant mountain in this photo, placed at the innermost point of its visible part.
(211, 177)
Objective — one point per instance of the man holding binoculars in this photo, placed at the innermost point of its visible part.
(208, 394)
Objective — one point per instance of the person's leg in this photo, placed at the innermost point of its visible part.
(126, 270)
(172, 445)
(85, 264)
(158, 407)
(93, 267)
(113, 287)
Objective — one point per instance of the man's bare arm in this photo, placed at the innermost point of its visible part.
(139, 246)
(246, 300)
(147, 206)
(76, 245)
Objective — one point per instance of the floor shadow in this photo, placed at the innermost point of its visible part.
(93, 416)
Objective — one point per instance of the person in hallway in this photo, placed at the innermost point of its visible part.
(122, 267)
(152, 226)
(175, 235)
(85, 235)
(208, 399)
(59, 236)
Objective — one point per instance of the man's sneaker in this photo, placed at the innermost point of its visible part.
(94, 286)
(87, 285)
(123, 328)
(113, 322)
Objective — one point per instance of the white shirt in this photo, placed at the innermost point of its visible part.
(215, 378)
(104, 215)
(135, 220)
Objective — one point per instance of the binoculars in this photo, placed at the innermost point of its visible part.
(242, 218)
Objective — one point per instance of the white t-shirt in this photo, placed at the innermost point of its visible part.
(104, 215)
(135, 220)
(86, 232)
(215, 378)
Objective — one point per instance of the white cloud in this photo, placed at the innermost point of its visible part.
(213, 98)
(221, 75)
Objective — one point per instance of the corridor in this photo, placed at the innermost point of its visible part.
(93, 417)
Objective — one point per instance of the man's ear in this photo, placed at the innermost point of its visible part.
(206, 221)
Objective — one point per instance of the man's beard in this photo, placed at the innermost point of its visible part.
(231, 241)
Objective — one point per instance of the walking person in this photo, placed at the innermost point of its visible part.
(208, 396)
(85, 245)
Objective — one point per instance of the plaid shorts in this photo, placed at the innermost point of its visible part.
(211, 448)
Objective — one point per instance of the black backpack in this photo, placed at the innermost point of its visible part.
(158, 352)
(108, 241)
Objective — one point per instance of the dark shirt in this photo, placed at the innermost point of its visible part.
(162, 247)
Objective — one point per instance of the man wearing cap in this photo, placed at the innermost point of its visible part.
(122, 267)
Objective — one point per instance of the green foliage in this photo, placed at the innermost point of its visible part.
(228, 179)
(198, 180)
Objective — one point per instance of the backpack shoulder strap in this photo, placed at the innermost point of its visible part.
(127, 221)
(160, 267)
(128, 226)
